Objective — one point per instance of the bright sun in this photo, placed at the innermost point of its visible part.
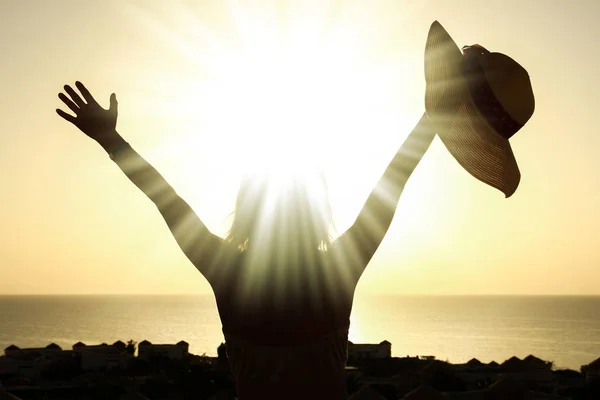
(288, 100)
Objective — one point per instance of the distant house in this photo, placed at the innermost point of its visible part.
(474, 363)
(120, 345)
(513, 364)
(102, 357)
(531, 362)
(361, 351)
(78, 346)
(11, 350)
(50, 350)
(591, 371)
(147, 350)
(27, 364)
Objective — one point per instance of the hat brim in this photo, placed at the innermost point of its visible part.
(475, 145)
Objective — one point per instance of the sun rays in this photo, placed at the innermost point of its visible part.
(285, 92)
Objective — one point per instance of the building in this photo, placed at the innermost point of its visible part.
(11, 351)
(103, 356)
(28, 365)
(48, 351)
(30, 362)
(120, 345)
(531, 362)
(359, 351)
(591, 371)
(513, 364)
(474, 363)
(147, 350)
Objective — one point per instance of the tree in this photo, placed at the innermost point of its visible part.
(131, 346)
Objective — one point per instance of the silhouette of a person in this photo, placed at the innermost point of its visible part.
(284, 290)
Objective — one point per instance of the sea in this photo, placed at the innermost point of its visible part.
(561, 329)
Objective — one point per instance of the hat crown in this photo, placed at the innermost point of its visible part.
(511, 85)
(500, 89)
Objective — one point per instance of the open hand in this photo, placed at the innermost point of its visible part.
(93, 120)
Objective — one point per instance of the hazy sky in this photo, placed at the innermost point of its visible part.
(200, 82)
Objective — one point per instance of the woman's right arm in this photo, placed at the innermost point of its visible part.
(355, 247)
(201, 247)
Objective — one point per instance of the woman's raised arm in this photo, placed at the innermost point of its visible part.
(197, 242)
(355, 247)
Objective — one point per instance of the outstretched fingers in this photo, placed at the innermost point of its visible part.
(69, 103)
(74, 96)
(66, 116)
(85, 93)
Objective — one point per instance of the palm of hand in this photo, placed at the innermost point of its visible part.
(93, 120)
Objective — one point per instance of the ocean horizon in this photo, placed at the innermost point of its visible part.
(564, 329)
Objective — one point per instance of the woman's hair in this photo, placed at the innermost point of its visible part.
(291, 213)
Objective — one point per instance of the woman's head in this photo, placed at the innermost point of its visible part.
(284, 212)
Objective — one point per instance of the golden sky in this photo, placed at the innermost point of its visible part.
(202, 89)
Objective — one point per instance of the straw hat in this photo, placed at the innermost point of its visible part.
(477, 100)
